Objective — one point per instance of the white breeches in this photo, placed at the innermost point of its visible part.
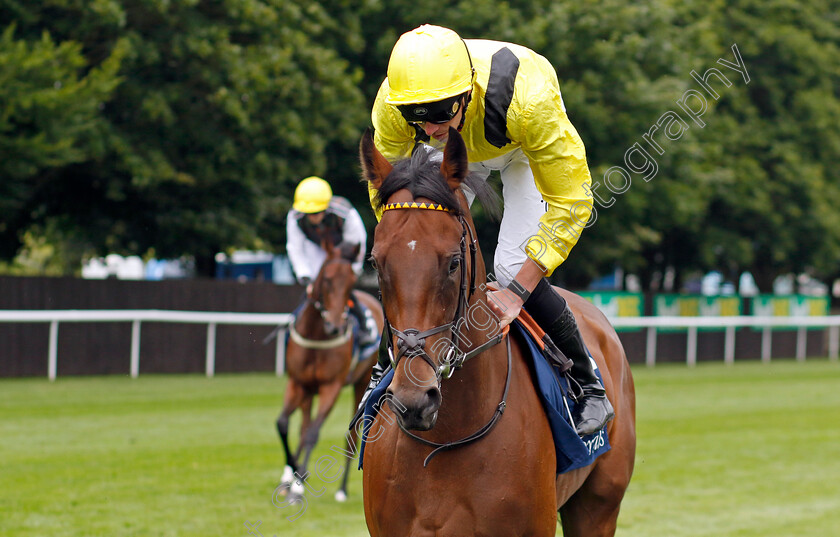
(523, 207)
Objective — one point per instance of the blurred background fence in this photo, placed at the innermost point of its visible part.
(144, 335)
(99, 348)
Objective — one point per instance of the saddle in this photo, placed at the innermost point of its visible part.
(553, 354)
(558, 398)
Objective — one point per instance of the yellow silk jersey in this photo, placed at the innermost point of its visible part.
(516, 103)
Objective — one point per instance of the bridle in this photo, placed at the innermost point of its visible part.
(411, 342)
(345, 331)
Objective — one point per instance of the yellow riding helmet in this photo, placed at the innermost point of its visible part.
(428, 64)
(312, 195)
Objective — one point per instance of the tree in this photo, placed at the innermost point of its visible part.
(222, 109)
(49, 119)
(182, 128)
(776, 210)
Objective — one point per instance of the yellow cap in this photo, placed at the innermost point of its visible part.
(428, 64)
(312, 195)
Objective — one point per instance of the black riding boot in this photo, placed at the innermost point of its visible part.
(549, 309)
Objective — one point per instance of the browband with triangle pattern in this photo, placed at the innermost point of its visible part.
(416, 205)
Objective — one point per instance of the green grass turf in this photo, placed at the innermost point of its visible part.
(747, 450)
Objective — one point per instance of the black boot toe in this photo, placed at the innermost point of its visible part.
(592, 413)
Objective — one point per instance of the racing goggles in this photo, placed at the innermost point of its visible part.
(438, 112)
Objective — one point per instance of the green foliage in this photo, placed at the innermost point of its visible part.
(183, 127)
(782, 138)
(38, 255)
(222, 108)
(49, 113)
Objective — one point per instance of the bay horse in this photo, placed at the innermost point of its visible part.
(319, 356)
(494, 471)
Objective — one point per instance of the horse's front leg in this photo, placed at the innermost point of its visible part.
(306, 419)
(292, 399)
(327, 396)
(351, 438)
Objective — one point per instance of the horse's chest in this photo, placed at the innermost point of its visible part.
(437, 517)
(316, 368)
(479, 500)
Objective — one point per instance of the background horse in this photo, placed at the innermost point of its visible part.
(501, 480)
(319, 356)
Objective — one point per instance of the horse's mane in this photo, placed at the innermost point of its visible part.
(420, 174)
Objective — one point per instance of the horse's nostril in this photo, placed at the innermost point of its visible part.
(396, 406)
(433, 397)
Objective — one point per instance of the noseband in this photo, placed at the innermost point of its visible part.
(411, 342)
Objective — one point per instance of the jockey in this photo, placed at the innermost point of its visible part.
(505, 101)
(317, 215)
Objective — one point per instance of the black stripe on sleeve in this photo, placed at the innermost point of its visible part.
(503, 69)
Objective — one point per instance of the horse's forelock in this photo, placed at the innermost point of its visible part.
(420, 175)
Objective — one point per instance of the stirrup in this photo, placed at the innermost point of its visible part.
(604, 404)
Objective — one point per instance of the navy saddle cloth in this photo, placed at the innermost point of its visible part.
(571, 450)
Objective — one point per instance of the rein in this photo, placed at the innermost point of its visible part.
(500, 409)
(411, 342)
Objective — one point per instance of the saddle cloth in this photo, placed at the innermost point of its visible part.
(571, 450)
(365, 334)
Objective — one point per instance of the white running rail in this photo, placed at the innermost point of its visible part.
(766, 323)
(135, 317)
(212, 319)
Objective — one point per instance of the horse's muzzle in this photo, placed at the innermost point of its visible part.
(416, 411)
(332, 329)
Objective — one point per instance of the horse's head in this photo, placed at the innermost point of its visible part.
(425, 253)
(331, 289)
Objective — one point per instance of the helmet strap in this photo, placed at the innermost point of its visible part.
(465, 102)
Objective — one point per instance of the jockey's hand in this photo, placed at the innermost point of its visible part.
(309, 288)
(504, 303)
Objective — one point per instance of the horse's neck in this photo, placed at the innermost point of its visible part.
(309, 323)
(476, 389)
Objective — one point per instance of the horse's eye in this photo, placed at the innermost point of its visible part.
(373, 263)
(454, 264)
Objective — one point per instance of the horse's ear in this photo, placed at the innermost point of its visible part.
(455, 165)
(375, 167)
(350, 250)
(328, 247)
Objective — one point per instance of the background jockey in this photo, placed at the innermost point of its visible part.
(317, 215)
(505, 101)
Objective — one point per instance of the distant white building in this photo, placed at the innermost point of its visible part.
(257, 266)
(133, 268)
